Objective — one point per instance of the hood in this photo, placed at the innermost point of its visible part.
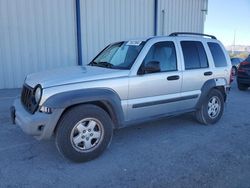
(74, 74)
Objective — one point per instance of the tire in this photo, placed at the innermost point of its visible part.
(211, 109)
(83, 133)
(242, 87)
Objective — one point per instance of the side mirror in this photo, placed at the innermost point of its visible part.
(151, 67)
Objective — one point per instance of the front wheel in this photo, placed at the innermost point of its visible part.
(83, 133)
(212, 108)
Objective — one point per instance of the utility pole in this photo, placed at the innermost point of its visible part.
(233, 49)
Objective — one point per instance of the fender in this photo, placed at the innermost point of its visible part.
(207, 86)
(107, 97)
(221, 82)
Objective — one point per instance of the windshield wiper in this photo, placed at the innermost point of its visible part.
(101, 64)
(92, 63)
(105, 64)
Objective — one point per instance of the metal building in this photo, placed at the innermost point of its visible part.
(36, 35)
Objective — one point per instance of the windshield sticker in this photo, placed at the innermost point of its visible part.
(134, 43)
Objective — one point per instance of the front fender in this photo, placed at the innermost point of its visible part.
(108, 97)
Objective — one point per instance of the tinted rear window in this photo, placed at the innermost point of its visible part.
(218, 54)
(194, 55)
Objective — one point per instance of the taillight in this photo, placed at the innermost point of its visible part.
(243, 65)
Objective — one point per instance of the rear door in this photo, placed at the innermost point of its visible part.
(196, 71)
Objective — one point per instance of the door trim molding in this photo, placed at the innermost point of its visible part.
(145, 104)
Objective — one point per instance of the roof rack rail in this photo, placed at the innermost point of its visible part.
(190, 33)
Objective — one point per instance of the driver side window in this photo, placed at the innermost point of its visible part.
(165, 54)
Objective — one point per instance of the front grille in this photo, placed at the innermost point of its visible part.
(28, 100)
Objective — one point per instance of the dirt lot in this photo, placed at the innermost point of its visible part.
(176, 152)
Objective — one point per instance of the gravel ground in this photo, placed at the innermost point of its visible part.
(174, 152)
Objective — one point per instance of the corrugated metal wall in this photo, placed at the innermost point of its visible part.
(181, 15)
(41, 34)
(35, 35)
(106, 21)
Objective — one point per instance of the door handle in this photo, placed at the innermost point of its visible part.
(175, 77)
(208, 73)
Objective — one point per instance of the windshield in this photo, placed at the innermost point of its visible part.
(119, 55)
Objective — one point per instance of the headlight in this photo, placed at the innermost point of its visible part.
(38, 93)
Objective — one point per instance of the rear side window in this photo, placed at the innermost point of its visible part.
(218, 54)
(194, 55)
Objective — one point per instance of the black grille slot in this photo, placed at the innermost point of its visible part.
(27, 99)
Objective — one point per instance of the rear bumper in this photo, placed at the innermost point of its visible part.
(39, 125)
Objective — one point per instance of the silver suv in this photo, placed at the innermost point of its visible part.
(126, 83)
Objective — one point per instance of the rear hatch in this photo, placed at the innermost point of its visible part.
(244, 68)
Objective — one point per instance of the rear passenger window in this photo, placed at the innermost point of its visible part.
(194, 55)
(218, 54)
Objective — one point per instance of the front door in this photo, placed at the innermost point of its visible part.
(157, 93)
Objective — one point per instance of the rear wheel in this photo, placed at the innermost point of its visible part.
(83, 133)
(242, 87)
(212, 108)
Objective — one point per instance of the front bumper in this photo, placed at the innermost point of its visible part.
(39, 124)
